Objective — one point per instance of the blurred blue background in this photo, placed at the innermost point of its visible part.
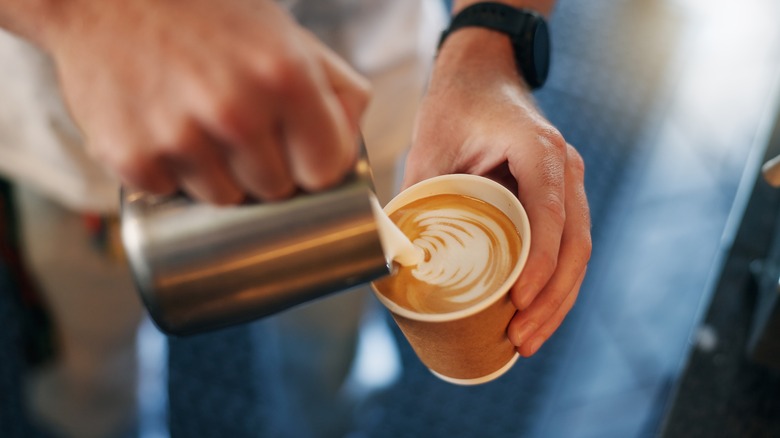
(673, 105)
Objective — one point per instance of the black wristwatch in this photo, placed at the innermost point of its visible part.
(527, 30)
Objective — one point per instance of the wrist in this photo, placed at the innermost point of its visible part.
(476, 48)
(502, 32)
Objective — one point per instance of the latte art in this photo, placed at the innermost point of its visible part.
(460, 253)
(470, 248)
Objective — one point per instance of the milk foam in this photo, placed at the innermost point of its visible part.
(466, 250)
(461, 250)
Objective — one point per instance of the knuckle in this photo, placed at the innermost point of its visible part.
(266, 184)
(216, 196)
(229, 120)
(223, 109)
(282, 75)
(179, 144)
(546, 265)
(320, 171)
(129, 164)
(586, 247)
(554, 207)
(575, 161)
(552, 138)
(134, 165)
(314, 182)
(275, 192)
(166, 128)
(142, 171)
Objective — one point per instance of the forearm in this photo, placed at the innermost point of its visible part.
(544, 7)
(30, 19)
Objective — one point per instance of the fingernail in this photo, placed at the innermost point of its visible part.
(524, 332)
(535, 345)
(526, 296)
(525, 301)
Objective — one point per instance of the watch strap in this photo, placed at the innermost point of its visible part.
(527, 31)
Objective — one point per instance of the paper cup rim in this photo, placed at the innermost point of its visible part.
(524, 228)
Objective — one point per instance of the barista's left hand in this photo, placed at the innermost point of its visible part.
(478, 117)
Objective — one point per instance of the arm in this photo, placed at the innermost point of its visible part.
(479, 117)
(26, 18)
(220, 99)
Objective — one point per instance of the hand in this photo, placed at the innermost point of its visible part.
(478, 117)
(220, 99)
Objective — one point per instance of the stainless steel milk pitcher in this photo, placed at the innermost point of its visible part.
(200, 267)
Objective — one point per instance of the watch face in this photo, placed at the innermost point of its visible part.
(541, 52)
(536, 62)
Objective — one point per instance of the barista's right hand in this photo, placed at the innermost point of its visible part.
(219, 98)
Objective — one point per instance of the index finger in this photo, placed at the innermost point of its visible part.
(318, 128)
(541, 190)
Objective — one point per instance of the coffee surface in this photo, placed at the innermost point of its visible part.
(470, 247)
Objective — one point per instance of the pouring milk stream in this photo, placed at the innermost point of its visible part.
(398, 247)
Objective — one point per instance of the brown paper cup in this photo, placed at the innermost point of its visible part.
(469, 346)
